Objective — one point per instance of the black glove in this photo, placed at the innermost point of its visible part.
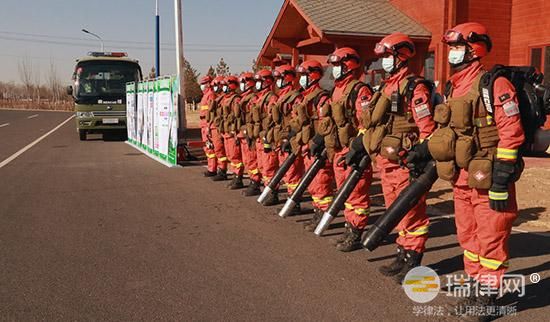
(417, 158)
(317, 144)
(285, 146)
(503, 175)
(267, 145)
(356, 151)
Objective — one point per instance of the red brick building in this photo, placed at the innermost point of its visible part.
(520, 30)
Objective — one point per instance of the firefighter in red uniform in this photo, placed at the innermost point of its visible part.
(405, 100)
(485, 163)
(278, 135)
(305, 124)
(261, 115)
(230, 110)
(246, 134)
(339, 126)
(207, 100)
(215, 132)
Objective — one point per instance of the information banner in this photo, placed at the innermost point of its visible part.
(131, 111)
(153, 118)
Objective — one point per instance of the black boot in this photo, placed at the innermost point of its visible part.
(396, 266)
(253, 189)
(220, 176)
(311, 224)
(412, 259)
(236, 183)
(341, 238)
(352, 242)
(272, 199)
(209, 174)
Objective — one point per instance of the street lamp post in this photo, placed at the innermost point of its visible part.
(101, 40)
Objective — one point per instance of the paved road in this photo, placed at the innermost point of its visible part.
(96, 231)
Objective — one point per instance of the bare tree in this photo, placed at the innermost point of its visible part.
(54, 84)
(26, 74)
(37, 80)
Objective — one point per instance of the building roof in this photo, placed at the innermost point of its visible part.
(360, 18)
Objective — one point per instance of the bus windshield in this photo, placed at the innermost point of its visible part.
(104, 79)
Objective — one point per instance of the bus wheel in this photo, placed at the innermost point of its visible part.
(82, 135)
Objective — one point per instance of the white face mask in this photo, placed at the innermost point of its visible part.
(304, 81)
(225, 88)
(215, 88)
(456, 56)
(258, 85)
(280, 83)
(388, 64)
(242, 87)
(203, 87)
(337, 71)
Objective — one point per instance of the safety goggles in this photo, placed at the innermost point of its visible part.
(303, 70)
(455, 37)
(334, 59)
(381, 49)
(246, 79)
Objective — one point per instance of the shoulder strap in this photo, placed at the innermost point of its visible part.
(412, 82)
(354, 92)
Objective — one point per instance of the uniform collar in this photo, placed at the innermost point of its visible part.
(344, 82)
(311, 89)
(467, 75)
(394, 80)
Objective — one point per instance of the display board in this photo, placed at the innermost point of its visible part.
(152, 116)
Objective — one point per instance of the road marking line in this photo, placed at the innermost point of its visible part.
(32, 116)
(5, 124)
(30, 145)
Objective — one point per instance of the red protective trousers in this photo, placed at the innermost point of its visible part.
(413, 228)
(295, 172)
(233, 152)
(268, 161)
(358, 204)
(250, 159)
(210, 153)
(320, 188)
(482, 232)
(219, 149)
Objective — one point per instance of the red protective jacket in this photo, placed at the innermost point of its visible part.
(208, 97)
(420, 106)
(506, 113)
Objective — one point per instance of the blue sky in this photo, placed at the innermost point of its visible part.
(46, 31)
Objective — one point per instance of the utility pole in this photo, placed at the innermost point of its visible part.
(180, 66)
(157, 39)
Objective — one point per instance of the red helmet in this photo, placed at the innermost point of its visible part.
(265, 78)
(285, 75)
(472, 34)
(347, 56)
(263, 75)
(312, 69)
(232, 82)
(396, 44)
(216, 83)
(206, 80)
(247, 79)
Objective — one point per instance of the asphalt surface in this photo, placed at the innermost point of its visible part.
(97, 231)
